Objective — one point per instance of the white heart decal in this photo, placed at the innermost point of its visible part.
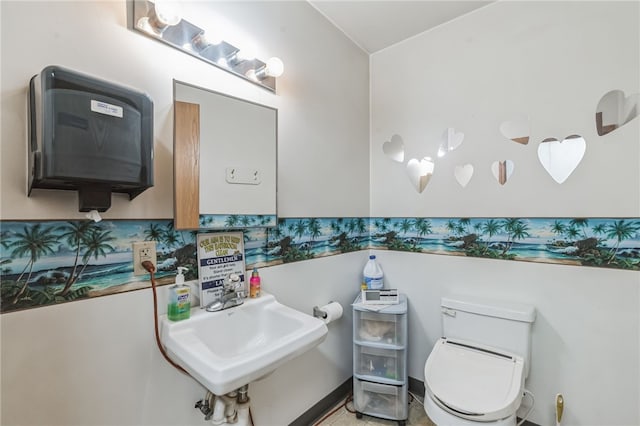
(560, 158)
(615, 110)
(394, 149)
(502, 170)
(420, 172)
(450, 141)
(516, 130)
(463, 174)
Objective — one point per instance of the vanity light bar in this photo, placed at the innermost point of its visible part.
(163, 22)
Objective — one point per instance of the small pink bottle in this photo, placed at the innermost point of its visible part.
(254, 284)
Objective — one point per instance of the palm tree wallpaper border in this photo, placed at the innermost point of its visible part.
(51, 262)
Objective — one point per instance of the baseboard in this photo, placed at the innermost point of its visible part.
(416, 387)
(316, 412)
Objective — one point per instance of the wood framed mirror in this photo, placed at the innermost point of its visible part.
(225, 160)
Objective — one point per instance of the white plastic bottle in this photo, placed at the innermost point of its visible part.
(373, 275)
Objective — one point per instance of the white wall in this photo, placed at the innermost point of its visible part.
(552, 61)
(94, 362)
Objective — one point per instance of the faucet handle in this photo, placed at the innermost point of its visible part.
(232, 282)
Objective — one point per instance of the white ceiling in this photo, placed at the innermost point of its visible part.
(376, 24)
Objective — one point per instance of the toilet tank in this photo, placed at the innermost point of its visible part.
(499, 324)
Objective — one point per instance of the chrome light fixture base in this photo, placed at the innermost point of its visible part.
(143, 17)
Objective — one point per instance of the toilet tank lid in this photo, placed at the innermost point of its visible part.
(494, 308)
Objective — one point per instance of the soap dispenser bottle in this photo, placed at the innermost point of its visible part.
(254, 284)
(179, 298)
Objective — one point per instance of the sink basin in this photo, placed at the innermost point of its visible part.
(228, 349)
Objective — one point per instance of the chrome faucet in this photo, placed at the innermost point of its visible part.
(233, 294)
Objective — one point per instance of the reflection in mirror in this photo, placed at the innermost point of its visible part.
(225, 155)
(420, 172)
(463, 174)
(615, 110)
(394, 149)
(517, 130)
(502, 170)
(560, 158)
(450, 141)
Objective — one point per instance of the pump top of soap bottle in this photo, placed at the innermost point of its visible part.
(180, 275)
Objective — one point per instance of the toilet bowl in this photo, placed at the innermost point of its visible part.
(475, 374)
(441, 417)
(466, 384)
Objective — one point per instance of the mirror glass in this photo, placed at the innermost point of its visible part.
(517, 130)
(450, 140)
(394, 149)
(420, 172)
(463, 174)
(502, 170)
(225, 160)
(615, 110)
(560, 158)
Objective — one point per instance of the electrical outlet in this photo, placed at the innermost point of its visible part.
(143, 250)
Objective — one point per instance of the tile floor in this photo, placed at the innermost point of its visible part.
(343, 417)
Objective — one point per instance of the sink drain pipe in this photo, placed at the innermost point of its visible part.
(229, 409)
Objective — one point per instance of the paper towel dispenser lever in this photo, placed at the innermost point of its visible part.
(89, 135)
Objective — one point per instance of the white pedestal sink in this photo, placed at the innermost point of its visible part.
(228, 349)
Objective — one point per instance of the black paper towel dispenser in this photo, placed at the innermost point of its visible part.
(89, 135)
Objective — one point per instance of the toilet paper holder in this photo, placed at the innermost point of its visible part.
(319, 313)
(329, 312)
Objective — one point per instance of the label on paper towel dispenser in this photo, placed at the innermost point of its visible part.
(105, 108)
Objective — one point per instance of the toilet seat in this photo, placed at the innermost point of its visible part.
(473, 382)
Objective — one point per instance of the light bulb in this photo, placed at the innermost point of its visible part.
(251, 75)
(168, 12)
(275, 67)
(145, 25)
(164, 14)
(199, 42)
(203, 40)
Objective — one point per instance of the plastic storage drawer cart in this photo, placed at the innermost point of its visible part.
(380, 385)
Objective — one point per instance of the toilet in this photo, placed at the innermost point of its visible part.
(475, 373)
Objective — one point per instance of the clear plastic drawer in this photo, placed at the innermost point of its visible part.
(384, 363)
(388, 329)
(387, 401)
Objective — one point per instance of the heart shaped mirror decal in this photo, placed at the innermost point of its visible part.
(420, 172)
(615, 110)
(450, 141)
(463, 174)
(560, 158)
(502, 170)
(517, 130)
(394, 149)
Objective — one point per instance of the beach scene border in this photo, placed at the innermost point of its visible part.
(52, 262)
